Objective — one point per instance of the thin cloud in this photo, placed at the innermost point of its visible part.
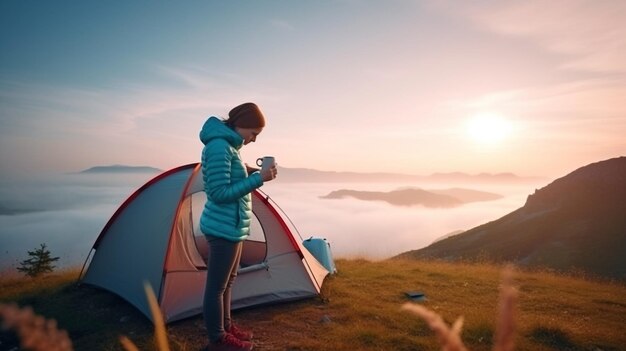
(597, 98)
(588, 114)
(590, 34)
(117, 109)
(126, 121)
(586, 41)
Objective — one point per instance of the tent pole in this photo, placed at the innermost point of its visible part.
(80, 275)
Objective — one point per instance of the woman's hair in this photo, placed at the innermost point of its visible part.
(247, 115)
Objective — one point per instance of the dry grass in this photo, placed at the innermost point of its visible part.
(450, 337)
(16, 287)
(36, 333)
(360, 310)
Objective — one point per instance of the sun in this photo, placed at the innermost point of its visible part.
(488, 128)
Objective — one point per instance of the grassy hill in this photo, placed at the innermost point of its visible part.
(360, 309)
(578, 222)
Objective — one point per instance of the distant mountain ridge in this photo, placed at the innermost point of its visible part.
(576, 222)
(317, 176)
(8, 211)
(121, 169)
(294, 175)
(408, 197)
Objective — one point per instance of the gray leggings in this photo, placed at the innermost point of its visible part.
(222, 268)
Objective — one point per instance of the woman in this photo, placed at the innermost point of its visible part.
(226, 216)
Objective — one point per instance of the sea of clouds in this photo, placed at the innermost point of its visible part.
(68, 211)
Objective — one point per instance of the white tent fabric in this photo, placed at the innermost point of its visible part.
(154, 237)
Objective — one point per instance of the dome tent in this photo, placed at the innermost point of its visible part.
(154, 237)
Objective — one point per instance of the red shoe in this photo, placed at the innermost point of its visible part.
(229, 343)
(239, 334)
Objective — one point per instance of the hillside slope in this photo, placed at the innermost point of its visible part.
(576, 222)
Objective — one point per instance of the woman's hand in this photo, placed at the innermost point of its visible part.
(269, 173)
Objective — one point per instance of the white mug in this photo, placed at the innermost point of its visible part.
(266, 162)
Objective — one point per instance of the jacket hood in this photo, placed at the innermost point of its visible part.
(214, 128)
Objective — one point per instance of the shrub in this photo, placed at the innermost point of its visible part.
(39, 262)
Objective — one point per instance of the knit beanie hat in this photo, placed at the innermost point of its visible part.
(247, 115)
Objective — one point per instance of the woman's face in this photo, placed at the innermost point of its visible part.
(248, 134)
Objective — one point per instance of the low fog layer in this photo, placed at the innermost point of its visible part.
(67, 212)
(447, 198)
(378, 230)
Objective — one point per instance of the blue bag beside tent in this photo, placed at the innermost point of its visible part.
(320, 249)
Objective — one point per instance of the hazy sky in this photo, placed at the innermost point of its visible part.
(393, 85)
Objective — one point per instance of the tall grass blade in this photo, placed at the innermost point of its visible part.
(127, 344)
(160, 333)
(34, 332)
(450, 339)
(505, 322)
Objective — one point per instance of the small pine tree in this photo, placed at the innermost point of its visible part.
(39, 262)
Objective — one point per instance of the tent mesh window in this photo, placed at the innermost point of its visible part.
(254, 248)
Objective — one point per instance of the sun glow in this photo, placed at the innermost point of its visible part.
(488, 128)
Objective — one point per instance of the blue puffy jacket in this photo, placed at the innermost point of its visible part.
(227, 185)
